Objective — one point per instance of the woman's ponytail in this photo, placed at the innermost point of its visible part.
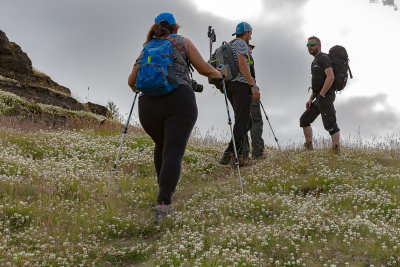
(161, 29)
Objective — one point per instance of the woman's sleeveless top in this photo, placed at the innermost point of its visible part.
(181, 69)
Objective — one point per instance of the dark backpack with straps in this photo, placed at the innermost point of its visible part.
(156, 75)
(223, 55)
(341, 68)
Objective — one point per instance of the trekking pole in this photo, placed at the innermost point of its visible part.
(233, 137)
(211, 35)
(120, 146)
(276, 139)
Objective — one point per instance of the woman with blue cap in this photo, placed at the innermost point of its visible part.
(169, 119)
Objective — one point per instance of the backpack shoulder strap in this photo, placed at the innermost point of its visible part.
(317, 59)
(181, 50)
(178, 46)
(234, 40)
(351, 74)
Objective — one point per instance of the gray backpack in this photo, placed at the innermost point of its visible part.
(223, 55)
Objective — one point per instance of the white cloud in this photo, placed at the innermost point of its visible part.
(231, 9)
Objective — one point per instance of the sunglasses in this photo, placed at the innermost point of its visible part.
(311, 44)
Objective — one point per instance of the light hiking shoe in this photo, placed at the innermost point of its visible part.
(162, 211)
(226, 158)
(259, 156)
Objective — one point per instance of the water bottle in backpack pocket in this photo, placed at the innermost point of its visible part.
(156, 75)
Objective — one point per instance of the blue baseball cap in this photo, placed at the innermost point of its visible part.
(242, 27)
(168, 17)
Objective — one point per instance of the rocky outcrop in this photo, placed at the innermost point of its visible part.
(15, 64)
(18, 77)
(5, 48)
(97, 109)
(12, 58)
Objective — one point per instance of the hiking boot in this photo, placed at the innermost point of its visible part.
(162, 211)
(226, 158)
(259, 156)
(243, 161)
(336, 149)
(308, 146)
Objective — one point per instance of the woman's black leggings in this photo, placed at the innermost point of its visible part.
(169, 120)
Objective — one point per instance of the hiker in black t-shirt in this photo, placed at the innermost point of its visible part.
(324, 95)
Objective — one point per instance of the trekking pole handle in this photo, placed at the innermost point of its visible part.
(211, 34)
(223, 75)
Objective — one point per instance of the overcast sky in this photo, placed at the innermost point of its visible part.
(94, 44)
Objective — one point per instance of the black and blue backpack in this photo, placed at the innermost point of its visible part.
(156, 75)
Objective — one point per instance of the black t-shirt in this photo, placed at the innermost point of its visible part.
(318, 66)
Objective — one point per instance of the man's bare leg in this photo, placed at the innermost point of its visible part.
(308, 136)
(336, 142)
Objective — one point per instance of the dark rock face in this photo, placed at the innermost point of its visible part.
(12, 58)
(97, 109)
(22, 63)
(5, 48)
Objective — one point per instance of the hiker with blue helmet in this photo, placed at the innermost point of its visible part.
(241, 91)
(168, 118)
(323, 91)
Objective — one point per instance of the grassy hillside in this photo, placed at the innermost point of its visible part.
(299, 208)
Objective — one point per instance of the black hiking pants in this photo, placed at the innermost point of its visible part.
(240, 97)
(325, 107)
(168, 120)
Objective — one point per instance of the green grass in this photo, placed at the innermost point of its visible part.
(299, 208)
(40, 74)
